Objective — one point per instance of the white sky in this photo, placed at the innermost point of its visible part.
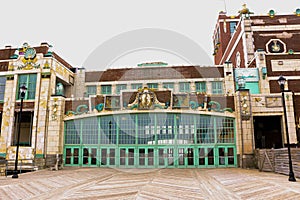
(77, 28)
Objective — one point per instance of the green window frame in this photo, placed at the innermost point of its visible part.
(136, 86)
(168, 85)
(200, 86)
(217, 87)
(91, 90)
(152, 85)
(105, 89)
(184, 87)
(2, 87)
(121, 87)
(29, 80)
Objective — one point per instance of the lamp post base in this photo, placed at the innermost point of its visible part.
(292, 177)
(15, 174)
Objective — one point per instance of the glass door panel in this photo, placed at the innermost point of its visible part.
(150, 157)
(221, 156)
(122, 156)
(131, 159)
(201, 156)
(210, 156)
(190, 156)
(230, 154)
(142, 157)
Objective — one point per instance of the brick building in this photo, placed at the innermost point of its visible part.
(261, 48)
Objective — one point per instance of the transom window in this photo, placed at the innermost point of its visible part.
(217, 87)
(184, 87)
(105, 89)
(29, 80)
(121, 87)
(151, 129)
(200, 86)
(2, 87)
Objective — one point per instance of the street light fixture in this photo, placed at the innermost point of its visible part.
(22, 96)
(281, 82)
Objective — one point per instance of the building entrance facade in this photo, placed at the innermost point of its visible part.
(151, 140)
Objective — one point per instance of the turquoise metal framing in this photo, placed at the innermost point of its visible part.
(153, 154)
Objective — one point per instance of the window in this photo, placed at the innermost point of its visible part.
(105, 89)
(152, 85)
(184, 87)
(2, 87)
(168, 85)
(200, 86)
(25, 129)
(91, 90)
(217, 87)
(232, 27)
(121, 87)
(29, 80)
(136, 86)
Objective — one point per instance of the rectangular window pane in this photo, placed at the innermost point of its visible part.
(217, 87)
(106, 89)
(91, 90)
(72, 132)
(200, 86)
(232, 27)
(2, 87)
(152, 85)
(168, 85)
(184, 87)
(225, 130)
(121, 87)
(29, 80)
(136, 86)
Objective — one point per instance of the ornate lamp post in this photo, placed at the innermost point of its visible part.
(22, 96)
(281, 82)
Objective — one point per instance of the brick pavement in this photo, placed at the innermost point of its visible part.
(102, 183)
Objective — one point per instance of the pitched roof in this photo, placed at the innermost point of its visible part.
(154, 73)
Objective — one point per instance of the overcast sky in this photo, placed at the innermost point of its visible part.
(77, 28)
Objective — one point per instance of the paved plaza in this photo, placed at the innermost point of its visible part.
(104, 183)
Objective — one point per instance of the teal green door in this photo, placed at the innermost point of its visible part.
(72, 156)
(145, 157)
(205, 157)
(108, 156)
(225, 156)
(165, 157)
(185, 157)
(127, 157)
(89, 156)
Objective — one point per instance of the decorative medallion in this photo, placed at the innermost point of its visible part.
(146, 100)
(28, 59)
(276, 46)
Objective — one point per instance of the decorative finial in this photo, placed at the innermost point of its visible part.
(245, 11)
